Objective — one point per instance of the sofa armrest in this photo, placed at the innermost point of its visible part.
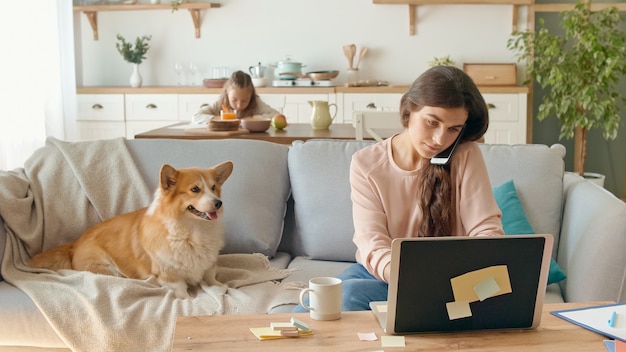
(592, 242)
(3, 240)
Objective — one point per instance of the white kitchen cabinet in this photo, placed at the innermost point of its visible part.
(151, 107)
(103, 115)
(189, 104)
(100, 116)
(145, 112)
(507, 118)
(100, 107)
(351, 102)
(277, 101)
(88, 130)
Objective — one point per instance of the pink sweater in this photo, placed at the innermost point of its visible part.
(384, 201)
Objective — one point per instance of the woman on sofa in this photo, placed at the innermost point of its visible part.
(397, 192)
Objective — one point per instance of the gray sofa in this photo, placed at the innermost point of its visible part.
(292, 203)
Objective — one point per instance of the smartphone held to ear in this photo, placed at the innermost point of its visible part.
(444, 157)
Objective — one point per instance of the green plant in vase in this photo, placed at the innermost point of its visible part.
(134, 55)
(580, 70)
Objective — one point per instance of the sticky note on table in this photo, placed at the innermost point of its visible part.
(392, 341)
(268, 333)
(367, 336)
(458, 310)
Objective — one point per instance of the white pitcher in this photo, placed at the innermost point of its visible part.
(321, 118)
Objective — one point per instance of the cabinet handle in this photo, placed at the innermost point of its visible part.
(96, 106)
(203, 105)
(490, 106)
(371, 106)
(151, 106)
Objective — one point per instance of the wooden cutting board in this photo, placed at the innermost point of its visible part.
(208, 132)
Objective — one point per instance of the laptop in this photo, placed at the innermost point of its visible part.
(459, 283)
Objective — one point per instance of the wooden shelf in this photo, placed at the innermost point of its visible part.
(412, 6)
(567, 7)
(91, 12)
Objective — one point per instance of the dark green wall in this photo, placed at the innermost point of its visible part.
(605, 157)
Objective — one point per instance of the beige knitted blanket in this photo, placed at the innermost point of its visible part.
(65, 188)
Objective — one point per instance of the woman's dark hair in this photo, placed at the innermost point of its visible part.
(241, 79)
(443, 87)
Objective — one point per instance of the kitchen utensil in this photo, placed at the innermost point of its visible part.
(367, 84)
(362, 53)
(346, 53)
(322, 75)
(352, 54)
(287, 66)
(257, 71)
(320, 117)
(352, 75)
(316, 75)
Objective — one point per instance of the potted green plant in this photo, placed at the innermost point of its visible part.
(134, 55)
(442, 61)
(580, 71)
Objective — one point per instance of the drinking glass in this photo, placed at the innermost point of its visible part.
(178, 68)
(193, 68)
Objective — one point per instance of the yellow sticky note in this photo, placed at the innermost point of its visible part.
(392, 341)
(268, 333)
(458, 310)
(463, 285)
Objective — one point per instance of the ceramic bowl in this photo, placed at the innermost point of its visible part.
(258, 82)
(214, 83)
(256, 123)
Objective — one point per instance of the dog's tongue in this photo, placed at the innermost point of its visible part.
(212, 215)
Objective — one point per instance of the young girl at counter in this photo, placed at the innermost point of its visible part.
(238, 94)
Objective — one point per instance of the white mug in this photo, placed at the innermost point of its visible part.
(324, 298)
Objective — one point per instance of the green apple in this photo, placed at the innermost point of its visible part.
(279, 121)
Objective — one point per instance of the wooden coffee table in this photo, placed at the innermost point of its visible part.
(232, 333)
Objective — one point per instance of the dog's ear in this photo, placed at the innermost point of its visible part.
(222, 171)
(168, 176)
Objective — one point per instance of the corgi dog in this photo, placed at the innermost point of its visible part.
(176, 239)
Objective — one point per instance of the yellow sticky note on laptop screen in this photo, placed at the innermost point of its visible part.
(481, 284)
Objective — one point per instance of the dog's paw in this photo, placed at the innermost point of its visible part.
(182, 294)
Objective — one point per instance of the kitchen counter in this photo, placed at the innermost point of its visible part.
(270, 90)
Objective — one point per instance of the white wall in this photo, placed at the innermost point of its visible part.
(243, 32)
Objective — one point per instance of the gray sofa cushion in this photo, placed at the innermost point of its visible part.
(255, 195)
(525, 164)
(321, 195)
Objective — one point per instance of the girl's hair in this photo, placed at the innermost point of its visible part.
(242, 80)
(443, 87)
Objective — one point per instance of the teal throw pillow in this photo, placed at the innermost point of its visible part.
(515, 222)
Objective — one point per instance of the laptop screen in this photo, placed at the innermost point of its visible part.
(462, 283)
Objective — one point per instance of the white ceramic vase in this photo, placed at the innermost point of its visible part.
(135, 77)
